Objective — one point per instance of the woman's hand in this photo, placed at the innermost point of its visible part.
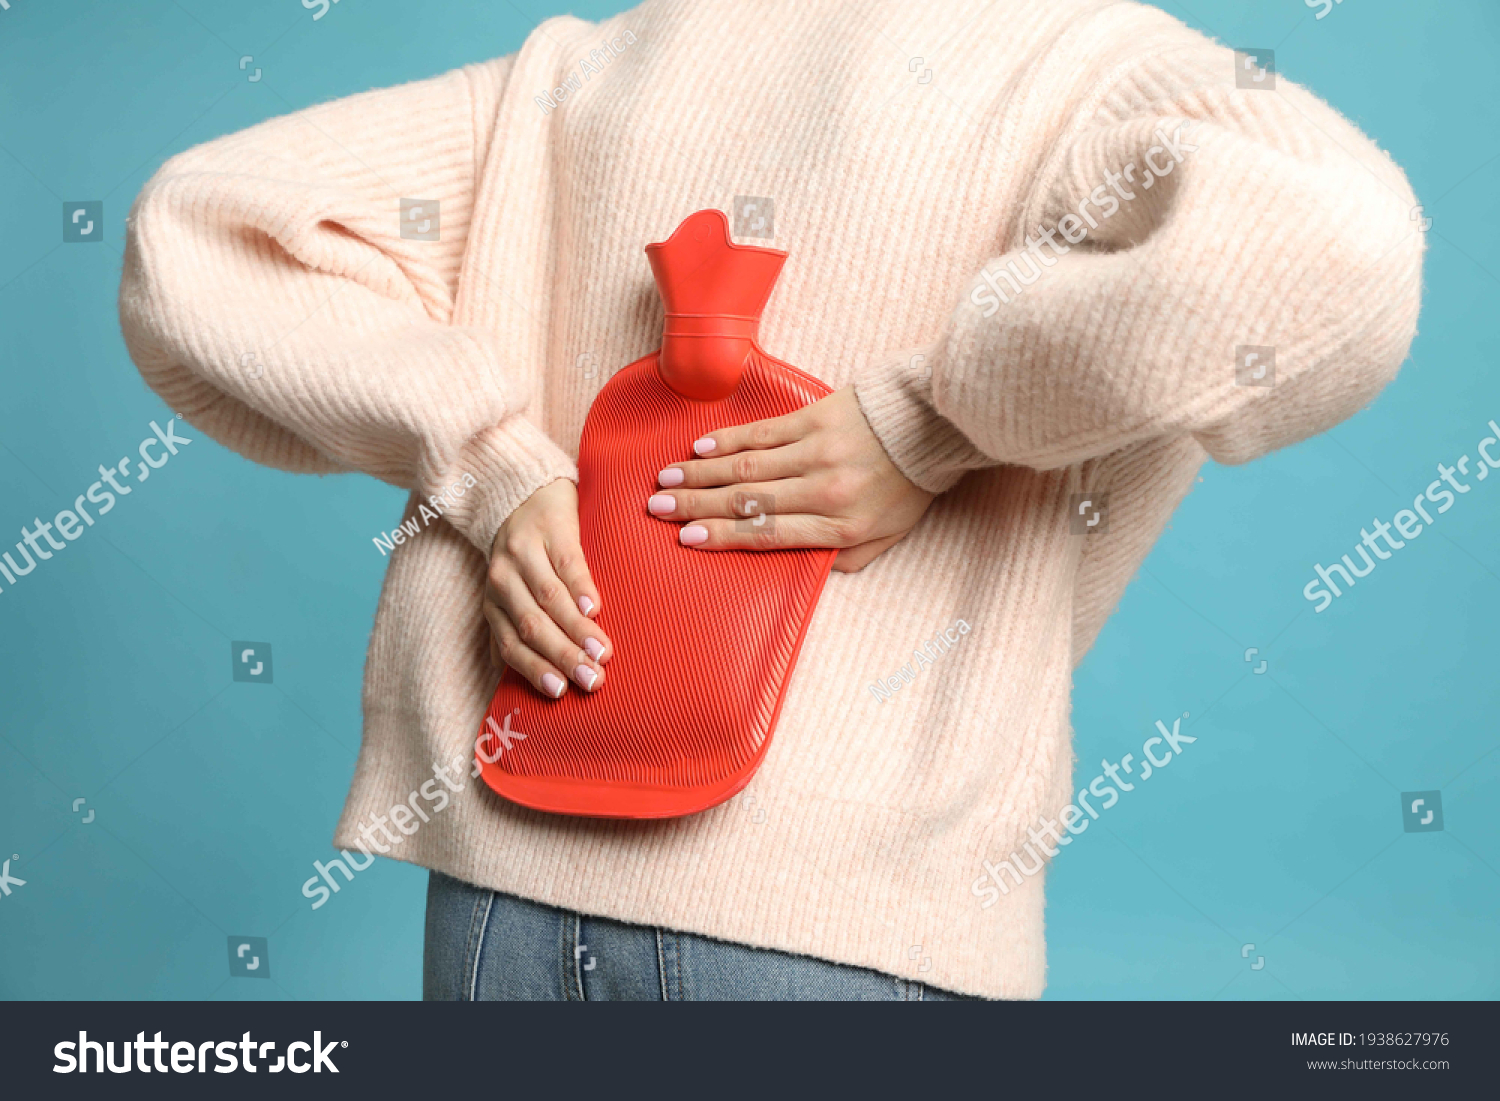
(814, 478)
(540, 600)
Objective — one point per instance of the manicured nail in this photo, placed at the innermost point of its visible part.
(704, 446)
(593, 648)
(585, 676)
(693, 534)
(553, 684)
(585, 605)
(661, 504)
(672, 476)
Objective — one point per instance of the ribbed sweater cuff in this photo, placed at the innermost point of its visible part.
(510, 462)
(896, 398)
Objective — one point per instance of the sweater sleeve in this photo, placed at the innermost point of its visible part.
(270, 296)
(1181, 227)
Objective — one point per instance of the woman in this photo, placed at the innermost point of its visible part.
(1030, 263)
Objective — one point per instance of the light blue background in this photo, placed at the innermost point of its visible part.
(1279, 827)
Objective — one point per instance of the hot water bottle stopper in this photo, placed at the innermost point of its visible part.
(704, 641)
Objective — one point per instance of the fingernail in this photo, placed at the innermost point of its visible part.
(672, 476)
(593, 648)
(661, 503)
(585, 605)
(704, 446)
(693, 534)
(553, 685)
(585, 676)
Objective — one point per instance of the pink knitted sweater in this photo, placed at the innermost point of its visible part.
(1040, 251)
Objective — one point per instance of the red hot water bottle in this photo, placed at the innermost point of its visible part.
(704, 641)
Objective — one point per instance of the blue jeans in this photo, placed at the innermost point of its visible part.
(482, 945)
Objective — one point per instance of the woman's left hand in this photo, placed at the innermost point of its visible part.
(814, 478)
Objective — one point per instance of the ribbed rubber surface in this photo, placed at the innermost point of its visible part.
(704, 641)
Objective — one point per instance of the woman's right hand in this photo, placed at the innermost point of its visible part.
(539, 599)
